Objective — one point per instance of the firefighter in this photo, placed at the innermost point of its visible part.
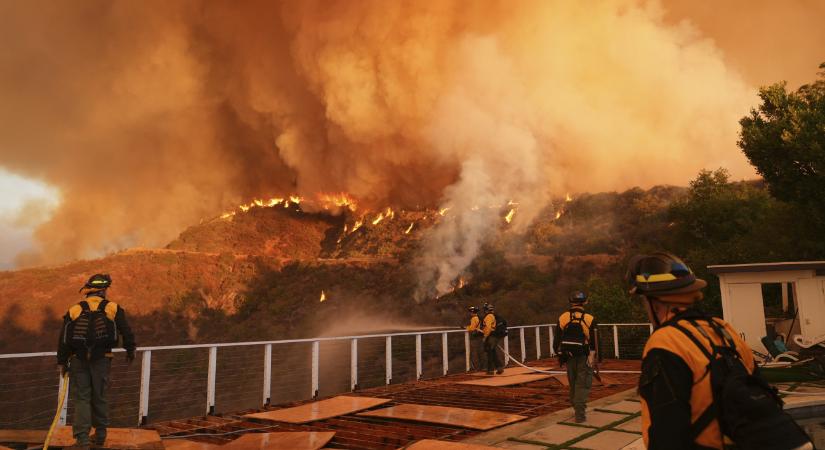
(576, 346)
(476, 338)
(491, 340)
(679, 409)
(91, 328)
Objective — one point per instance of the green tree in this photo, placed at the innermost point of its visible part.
(784, 138)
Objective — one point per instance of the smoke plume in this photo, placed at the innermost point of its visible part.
(149, 116)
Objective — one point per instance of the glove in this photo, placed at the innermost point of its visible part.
(591, 358)
(130, 356)
(64, 368)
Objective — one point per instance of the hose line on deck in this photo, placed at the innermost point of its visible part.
(60, 401)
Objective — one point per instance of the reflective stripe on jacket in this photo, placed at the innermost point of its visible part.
(672, 340)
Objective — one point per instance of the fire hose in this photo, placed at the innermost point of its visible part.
(557, 372)
(61, 399)
(560, 372)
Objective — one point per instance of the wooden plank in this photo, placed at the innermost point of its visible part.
(298, 440)
(506, 381)
(458, 417)
(121, 438)
(324, 409)
(432, 444)
(510, 371)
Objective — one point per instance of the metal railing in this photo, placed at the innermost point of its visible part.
(171, 378)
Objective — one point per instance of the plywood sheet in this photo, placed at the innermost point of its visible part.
(298, 440)
(510, 371)
(185, 444)
(324, 409)
(122, 438)
(506, 381)
(459, 417)
(431, 444)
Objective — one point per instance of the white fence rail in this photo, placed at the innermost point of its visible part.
(172, 380)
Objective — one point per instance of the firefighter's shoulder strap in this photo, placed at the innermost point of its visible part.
(710, 413)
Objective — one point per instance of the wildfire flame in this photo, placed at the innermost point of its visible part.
(323, 296)
(341, 200)
(568, 198)
(357, 225)
(509, 216)
(558, 214)
(378, 219)
(443, 211)
(409, 228)
(227, 215)
(390, 214)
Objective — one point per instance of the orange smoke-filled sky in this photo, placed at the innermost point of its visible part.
(142, 118)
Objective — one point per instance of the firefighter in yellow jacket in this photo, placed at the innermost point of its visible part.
(576, 344)
(91, 328)
(476, 338)
(678, 406)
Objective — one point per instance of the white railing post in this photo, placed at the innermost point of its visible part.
(388, 353)
(210, 380)
(506, 350)
(316, 350)
(445, 355)
(650, 326)
(145, 374)
(62, 420)
(538, 343)
(467, 349)
(353, 365)
(616, 341)
(267, 374)
(418, 370)
(550, 332)
(523, 347)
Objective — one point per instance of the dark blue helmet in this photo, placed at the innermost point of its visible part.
(578, 297)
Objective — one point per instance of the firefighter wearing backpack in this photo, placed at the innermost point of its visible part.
(91, 328)
(699, 386)
(493, 328)
(576, 347)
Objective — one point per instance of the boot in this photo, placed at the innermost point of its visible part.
(78, 446)
(99, 437)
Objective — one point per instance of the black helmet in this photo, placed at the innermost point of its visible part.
(473, 309)
(577, 297)
(98, 281)
(488, 307)
(661, 274)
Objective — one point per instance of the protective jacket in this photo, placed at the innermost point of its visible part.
(675, 384)
(113, 312)
(474, 323)
(489, 324)
(588, 326)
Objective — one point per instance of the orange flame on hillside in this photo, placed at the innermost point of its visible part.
(558, 214)
(378, 219)
(568, 198)
(443, 211)
(340, 200)
(357, 225)
(323, 296)
(409, 228)
(509, 217)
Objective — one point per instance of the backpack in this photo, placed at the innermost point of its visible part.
(501, 326)
(749, 410)
(91, 332)
(574, 341)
